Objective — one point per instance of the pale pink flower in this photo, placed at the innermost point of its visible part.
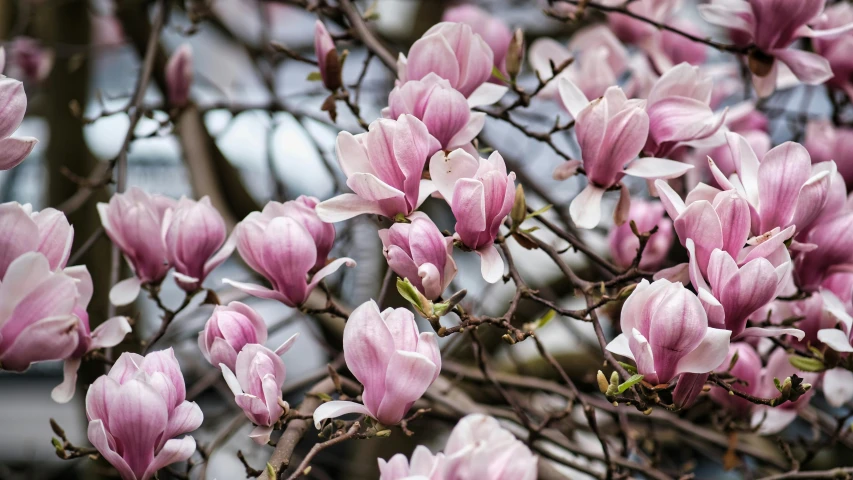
(230, 328)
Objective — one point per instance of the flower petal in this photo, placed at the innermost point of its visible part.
(585, 209)
(337, 408)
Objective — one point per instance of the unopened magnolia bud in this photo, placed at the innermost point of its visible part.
(179, 75)
(602, 382)
(515, 54)
(519, 207)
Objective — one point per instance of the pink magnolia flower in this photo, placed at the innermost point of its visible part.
(327, 56)
(285, 243)
(611, 131)
(480, 448)
(490, 28)
(678, 48)
(228, 330)
(773, 26)
(445, 112)
(395, 363)
(771, 420)
(480, 194)
(680, 113)
(419, 252)
(453, 52)
(624, 244)
(37, 317)
(424, 465)
(826, 142)
(195, 239)
(734, 292)
(108, 334)
(747, 369)
(384, 168)
(836, 49)
(666, 333)
(133, 220)
(13, 106)
(136, 411)
(834, 252)
(256, 386)
(783, 190)
(22, 230)
(601, 61)
(28, 60)
(179, 75)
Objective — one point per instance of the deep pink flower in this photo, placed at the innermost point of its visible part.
(285, 243)
(834, 252)
(773, 26)
(747, 369)
(28, 60)
(22, 230)
(445, 112)
(256, 385)
(37, 317)
(666, 332)
(453, 52)
(195, 238)
(136, 411)
(179, 75)
(480, 194)
(826, 142)
(133, 220)
(611, 131)
(490, 28)
(230, 328)
(394, 362)
(384, 168)
(418, 252)
(13, 106)
(836, 49)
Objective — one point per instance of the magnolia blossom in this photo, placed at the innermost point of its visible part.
(824, 142)
(784, 189)
(383, 168)
(666, 333)
(836, 48)
(454, 52)
(195, 239)
(37, 313)
(13, 106)
(601, 60)
(834, 252)
(256, 386)
(133, 220)
(108, 334)
(28, 60)
(490, 28)
(419, 252)
(22, 230)
(423, 465)
(480, 448)
(680, 113)
(734, 292)
(611, 131)
(445, 112)
(179, 75)
(395, 363)
(327, 57)
(136, 411)
(286, 243)
(230, 328)
(773, 26)
(480, 194)
(624, 244)
(750, 123)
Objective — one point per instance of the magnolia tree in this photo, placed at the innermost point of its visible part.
(543, 313)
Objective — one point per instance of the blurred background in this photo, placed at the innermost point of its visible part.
(254, 132)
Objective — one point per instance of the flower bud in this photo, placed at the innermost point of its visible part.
(515, 54)
(179, 75)
(228, 330)
(327, 57)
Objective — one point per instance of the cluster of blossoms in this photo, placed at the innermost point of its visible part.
(767, 233)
